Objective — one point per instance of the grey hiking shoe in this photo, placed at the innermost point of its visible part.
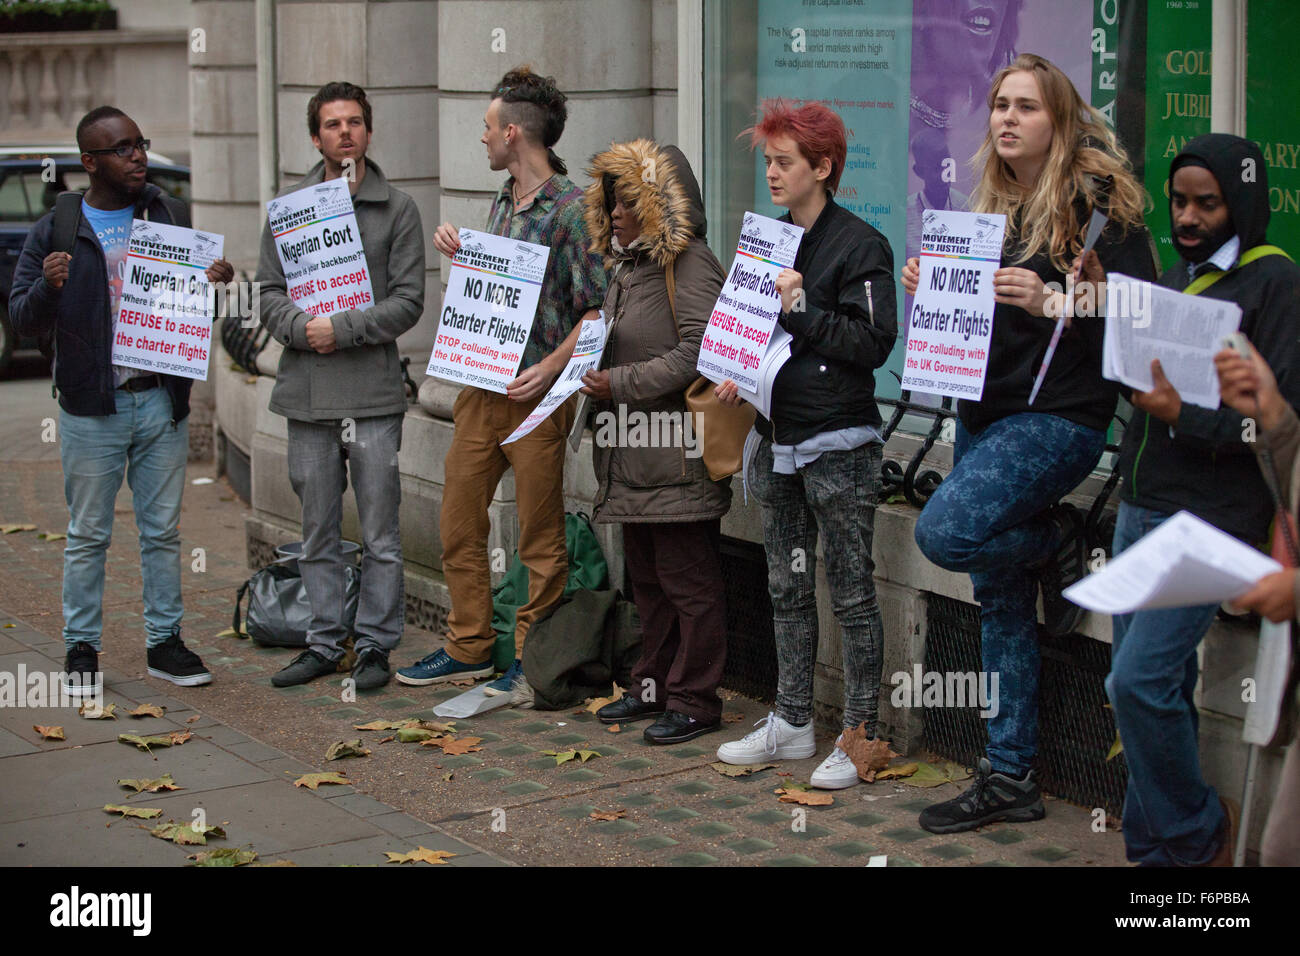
(993, 797)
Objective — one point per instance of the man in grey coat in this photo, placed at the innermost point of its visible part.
(340, 386)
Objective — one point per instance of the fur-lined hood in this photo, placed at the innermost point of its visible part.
(663, 191)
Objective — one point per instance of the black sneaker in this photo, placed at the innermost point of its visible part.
(81, 671)
(371, 670)
(305, 667)
(628, 708)
(995, 796)
(675, 728)
(1067, 564)
(172, 660)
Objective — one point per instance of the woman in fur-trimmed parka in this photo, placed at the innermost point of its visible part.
(645, 216)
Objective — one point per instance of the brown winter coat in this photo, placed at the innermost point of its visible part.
(649, 365)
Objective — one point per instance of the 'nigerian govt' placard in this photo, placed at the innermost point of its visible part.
(164, 323)
(492, 291)
(319, 245)
(951, 321)
(745, 314)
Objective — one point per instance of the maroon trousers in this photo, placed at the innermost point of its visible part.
(676, 574)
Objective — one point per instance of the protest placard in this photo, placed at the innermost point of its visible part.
(586, 356)
(492, 291)
(319, 245)
(740, 327)
(951, 321)
(164, 322)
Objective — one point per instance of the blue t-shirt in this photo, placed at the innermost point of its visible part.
(113, 229)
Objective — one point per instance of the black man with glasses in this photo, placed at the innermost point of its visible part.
(114, 422)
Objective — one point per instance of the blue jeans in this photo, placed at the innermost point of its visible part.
(140, 442)
(322, 456)
(1172, 817)
(988, 519)
(836, 495)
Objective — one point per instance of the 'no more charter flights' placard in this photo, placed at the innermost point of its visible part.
(319, 245)
(745, 314)
(951, 321)
(164, 323)
(488, 311)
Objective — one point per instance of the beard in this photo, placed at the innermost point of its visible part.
(1211, 242)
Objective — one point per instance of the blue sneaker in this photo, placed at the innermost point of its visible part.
(441, 666)
(505, 684)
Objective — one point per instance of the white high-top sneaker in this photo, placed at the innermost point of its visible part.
(835, 772)
(773, 740)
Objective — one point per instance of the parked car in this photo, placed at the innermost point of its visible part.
(30, 179)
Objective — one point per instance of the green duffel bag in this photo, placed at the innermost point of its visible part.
(587, 571)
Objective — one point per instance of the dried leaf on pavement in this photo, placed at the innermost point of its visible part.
(732, 717)
(598, 702)
(868, 754)
(897, 772)
(614, 729)
(936, 775)
(51, 536)
(383, 725)
(388, 739)
(313, 780)
(454, 747)
(99, 713)
(346, 748)
(144, 813)
(231, 632)
(11, 528)
(740, 770)
(448, 775)
(187, 834)
(49, 733)
(809, 798)
(224, 856)
(564, 756)
(147, 710)
(411, 735)
(196, 717)
(420, 855)
(141, 785)
(145, 743)
(607, 814)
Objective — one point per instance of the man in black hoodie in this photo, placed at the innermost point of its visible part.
(1177, 456)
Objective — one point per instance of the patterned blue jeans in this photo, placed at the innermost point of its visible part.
(987, 518)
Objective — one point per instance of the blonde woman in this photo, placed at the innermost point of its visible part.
(1048, 161)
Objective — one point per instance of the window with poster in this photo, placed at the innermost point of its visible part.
(910, 79)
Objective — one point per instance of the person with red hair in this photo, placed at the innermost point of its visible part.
(816, 463)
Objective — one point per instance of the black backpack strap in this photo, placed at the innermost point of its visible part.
(67, 219)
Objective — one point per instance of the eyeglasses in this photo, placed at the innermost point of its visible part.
(125, 150)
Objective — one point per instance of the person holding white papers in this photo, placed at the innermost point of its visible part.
(646, 218)
(1179, 456)
(540, 204)
(340, 387)
(1249, 387)
(817, 466)
(113, 421)
(1049, 160)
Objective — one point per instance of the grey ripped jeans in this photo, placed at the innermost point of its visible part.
(835, 494)
(321, 458)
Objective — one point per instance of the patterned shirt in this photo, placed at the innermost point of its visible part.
(575, 278)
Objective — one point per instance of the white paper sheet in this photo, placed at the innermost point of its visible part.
(1184, 562)
(1146, 321)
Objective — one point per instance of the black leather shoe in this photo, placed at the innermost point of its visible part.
(372, 669)
(306, 666)
(675, 728)
(628, 709)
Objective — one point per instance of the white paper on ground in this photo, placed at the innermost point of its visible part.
(1145, 321)
(1182, 563)
(1272, 666)
(471, 703)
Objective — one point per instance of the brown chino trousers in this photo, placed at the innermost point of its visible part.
(474, 466)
